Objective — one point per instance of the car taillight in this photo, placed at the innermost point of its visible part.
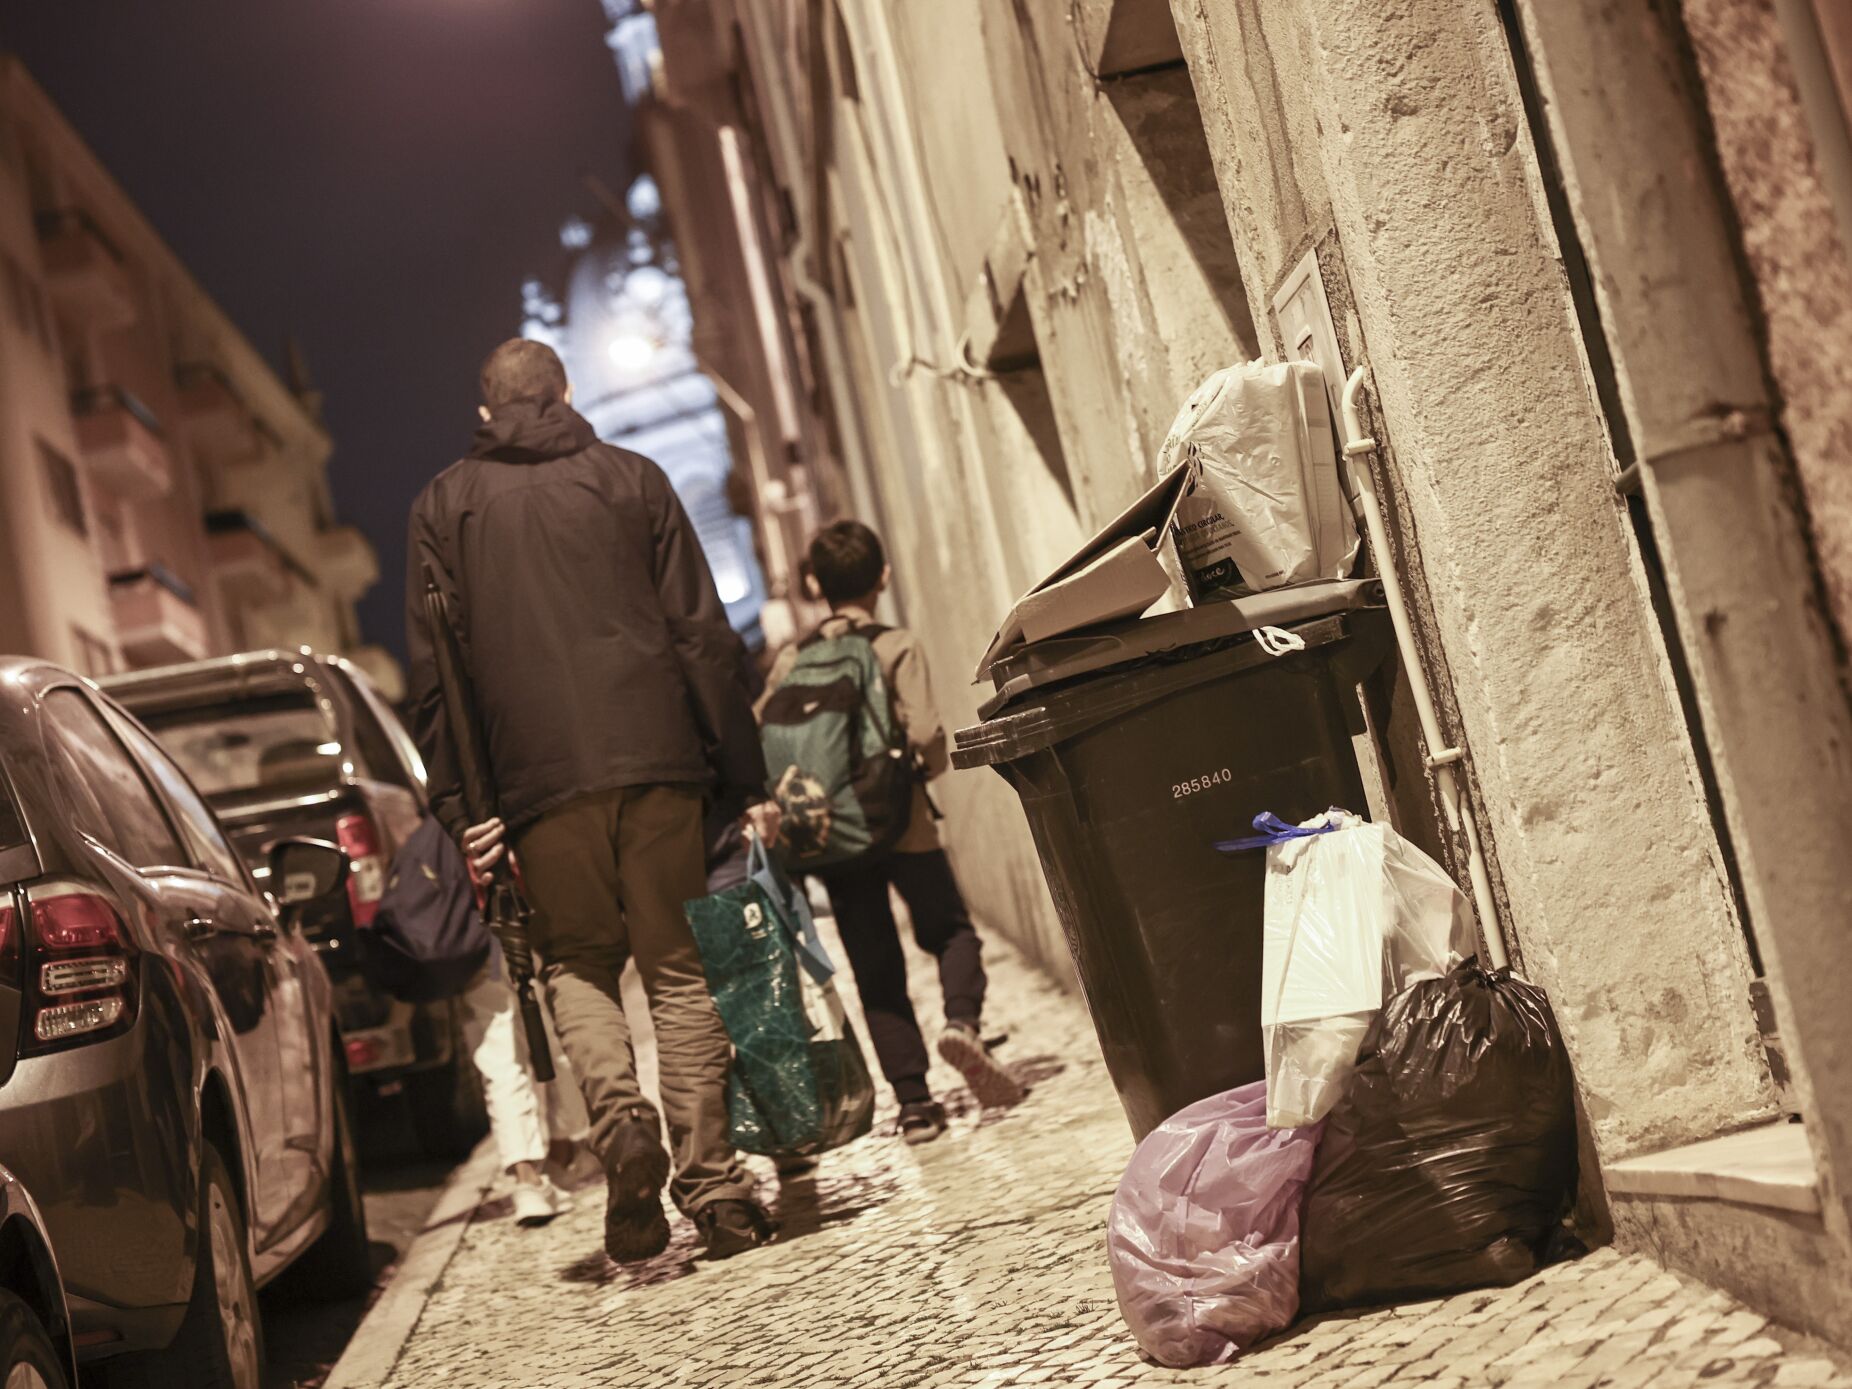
(362, 1053)
(79, 975)
(366, 865)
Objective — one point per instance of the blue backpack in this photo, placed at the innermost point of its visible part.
(429, 942)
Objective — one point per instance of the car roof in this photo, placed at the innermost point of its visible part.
(272, 660)
(223, 677)
(34, 674)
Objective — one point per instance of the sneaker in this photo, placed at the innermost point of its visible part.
(538, 1202)
(636, 1167)
(732, 1227)
(921, 1121)
(994, 1087)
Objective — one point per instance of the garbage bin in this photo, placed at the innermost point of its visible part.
(1129, 773)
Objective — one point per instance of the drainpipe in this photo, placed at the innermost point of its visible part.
(1442, 757)
(773, 496)
(822, 303)
(758, 283)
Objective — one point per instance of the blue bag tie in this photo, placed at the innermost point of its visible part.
(1274, 830)
(794, 907)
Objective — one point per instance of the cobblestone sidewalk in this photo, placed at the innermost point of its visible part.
(979, 1260)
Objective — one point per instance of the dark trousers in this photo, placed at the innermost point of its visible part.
(607, 875)
(941, 925)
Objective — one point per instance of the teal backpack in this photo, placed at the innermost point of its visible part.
(836, 754)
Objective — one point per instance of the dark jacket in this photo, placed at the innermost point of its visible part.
(600, 652)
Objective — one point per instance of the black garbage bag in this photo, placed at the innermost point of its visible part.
(1451, 1160)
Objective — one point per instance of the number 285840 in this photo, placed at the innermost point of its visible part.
(1180, 789)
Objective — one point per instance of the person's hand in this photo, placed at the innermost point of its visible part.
(764, 820)
(483, 846)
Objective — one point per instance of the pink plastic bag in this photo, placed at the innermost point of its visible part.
(1204, 1234)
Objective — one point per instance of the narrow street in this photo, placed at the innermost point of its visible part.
(1314, 536)
(305, 1338)
(979, 1260)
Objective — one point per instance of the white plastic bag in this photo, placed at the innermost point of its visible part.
(1354, 914)
(1268, 510)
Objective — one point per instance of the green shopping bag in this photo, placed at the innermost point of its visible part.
(799, 1082)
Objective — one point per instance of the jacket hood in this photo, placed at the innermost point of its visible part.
(529, 431)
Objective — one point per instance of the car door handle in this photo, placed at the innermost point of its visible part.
(264, 930)
(198, 928)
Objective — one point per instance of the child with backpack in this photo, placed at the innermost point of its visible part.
(851, 738)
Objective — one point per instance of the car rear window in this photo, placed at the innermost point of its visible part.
(267, 742)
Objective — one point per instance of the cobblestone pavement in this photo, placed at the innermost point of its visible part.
(979, 1260)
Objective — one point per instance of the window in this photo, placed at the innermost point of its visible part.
(93, 654)
(111, 801)
(64, 488)
(378, 753)
(210, 848)
(269, 742)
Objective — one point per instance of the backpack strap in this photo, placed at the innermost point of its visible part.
(870, 630)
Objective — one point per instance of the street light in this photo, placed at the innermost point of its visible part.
(630, 351)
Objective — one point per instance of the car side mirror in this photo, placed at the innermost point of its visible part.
(303, 870)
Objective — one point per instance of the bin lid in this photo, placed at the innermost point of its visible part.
(1050, 715)
(1121, 643)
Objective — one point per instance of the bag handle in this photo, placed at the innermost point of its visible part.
(812, 955)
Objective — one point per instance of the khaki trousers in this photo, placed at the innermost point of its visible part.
(607, 875)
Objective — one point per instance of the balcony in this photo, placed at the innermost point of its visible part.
(157, 619)
(122, 443)
(255, 568)
(217, 418)
(88, 278)
(346, 562)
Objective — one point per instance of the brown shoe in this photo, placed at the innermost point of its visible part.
(636, 1169)
(730, 1227)
(994, 1087)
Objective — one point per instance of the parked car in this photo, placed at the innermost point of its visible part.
(170, 1071)
(35, 1327)
(292, 743)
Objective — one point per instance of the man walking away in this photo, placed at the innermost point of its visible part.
(605, 675)
(850, 571)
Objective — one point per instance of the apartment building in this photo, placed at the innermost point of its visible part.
(1593, 259)
(163, 492)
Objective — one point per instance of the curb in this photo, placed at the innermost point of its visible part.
(380, 1338)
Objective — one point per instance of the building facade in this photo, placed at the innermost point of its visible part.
(1592, 257)
(163, 492)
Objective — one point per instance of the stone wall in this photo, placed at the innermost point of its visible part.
(1037, 245)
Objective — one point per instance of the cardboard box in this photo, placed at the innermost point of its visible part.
(1115, 574)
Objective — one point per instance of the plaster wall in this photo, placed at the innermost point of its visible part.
(1679, 314)
(1389, 138)
(1132, 285)
(1797, 256)
(988, 480)
(1399, 127)
(942, 587)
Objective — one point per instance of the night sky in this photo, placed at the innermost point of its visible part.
(373, 176)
